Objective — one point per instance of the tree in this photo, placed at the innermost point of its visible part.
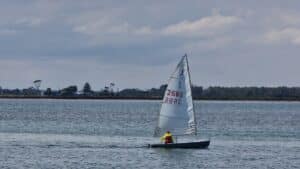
(48, 92)
(197, 91)
(69, 91)
(87, 88)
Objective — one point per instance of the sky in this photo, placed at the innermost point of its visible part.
(137, 43)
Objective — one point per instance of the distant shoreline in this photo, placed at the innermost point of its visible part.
(139, 98)
(199, 93)
(82, 97)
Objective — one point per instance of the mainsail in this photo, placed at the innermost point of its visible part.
(177, 111)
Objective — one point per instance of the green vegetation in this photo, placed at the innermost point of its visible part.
(87, 90)
(210, 93)
(68, 91)
(249, 93)
(48, 92)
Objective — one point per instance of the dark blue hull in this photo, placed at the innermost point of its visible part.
(198, 144)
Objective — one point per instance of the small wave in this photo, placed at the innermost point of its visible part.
(112, 146)
(67, 146)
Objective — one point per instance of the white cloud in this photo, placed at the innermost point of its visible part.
(286, 35)
(109, 29)
(206, 26)
(280, 27)
(29, 21)
(282, 18)
(144, 31)
(111, 32)
(103, 28)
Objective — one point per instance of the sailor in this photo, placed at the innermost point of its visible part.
(167, 137)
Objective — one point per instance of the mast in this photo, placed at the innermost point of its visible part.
(188, 70)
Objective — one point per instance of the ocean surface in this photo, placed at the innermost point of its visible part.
(115, 133)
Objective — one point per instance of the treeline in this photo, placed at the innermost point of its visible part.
(226, 93)
(247, 93)
(70, 91)
(210, 93)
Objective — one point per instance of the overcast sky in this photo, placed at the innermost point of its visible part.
(138, 43)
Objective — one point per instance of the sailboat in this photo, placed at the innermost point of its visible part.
(177, 113)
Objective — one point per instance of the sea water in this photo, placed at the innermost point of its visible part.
(114, 134)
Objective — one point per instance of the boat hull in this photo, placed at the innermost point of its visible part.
(198, 145)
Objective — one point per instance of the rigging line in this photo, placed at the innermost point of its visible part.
(178, 65)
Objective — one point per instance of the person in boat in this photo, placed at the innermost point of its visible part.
(167, 138)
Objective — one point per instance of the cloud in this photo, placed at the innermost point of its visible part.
(281, 27)
(110, 30)
(283, 18)
(102, 27)
(140, 35)
(60, 73)
(29, 21)
(286, 35)
(206, 26)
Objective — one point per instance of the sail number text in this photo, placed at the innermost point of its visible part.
(172, 97)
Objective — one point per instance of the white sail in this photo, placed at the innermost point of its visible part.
(177, 111)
